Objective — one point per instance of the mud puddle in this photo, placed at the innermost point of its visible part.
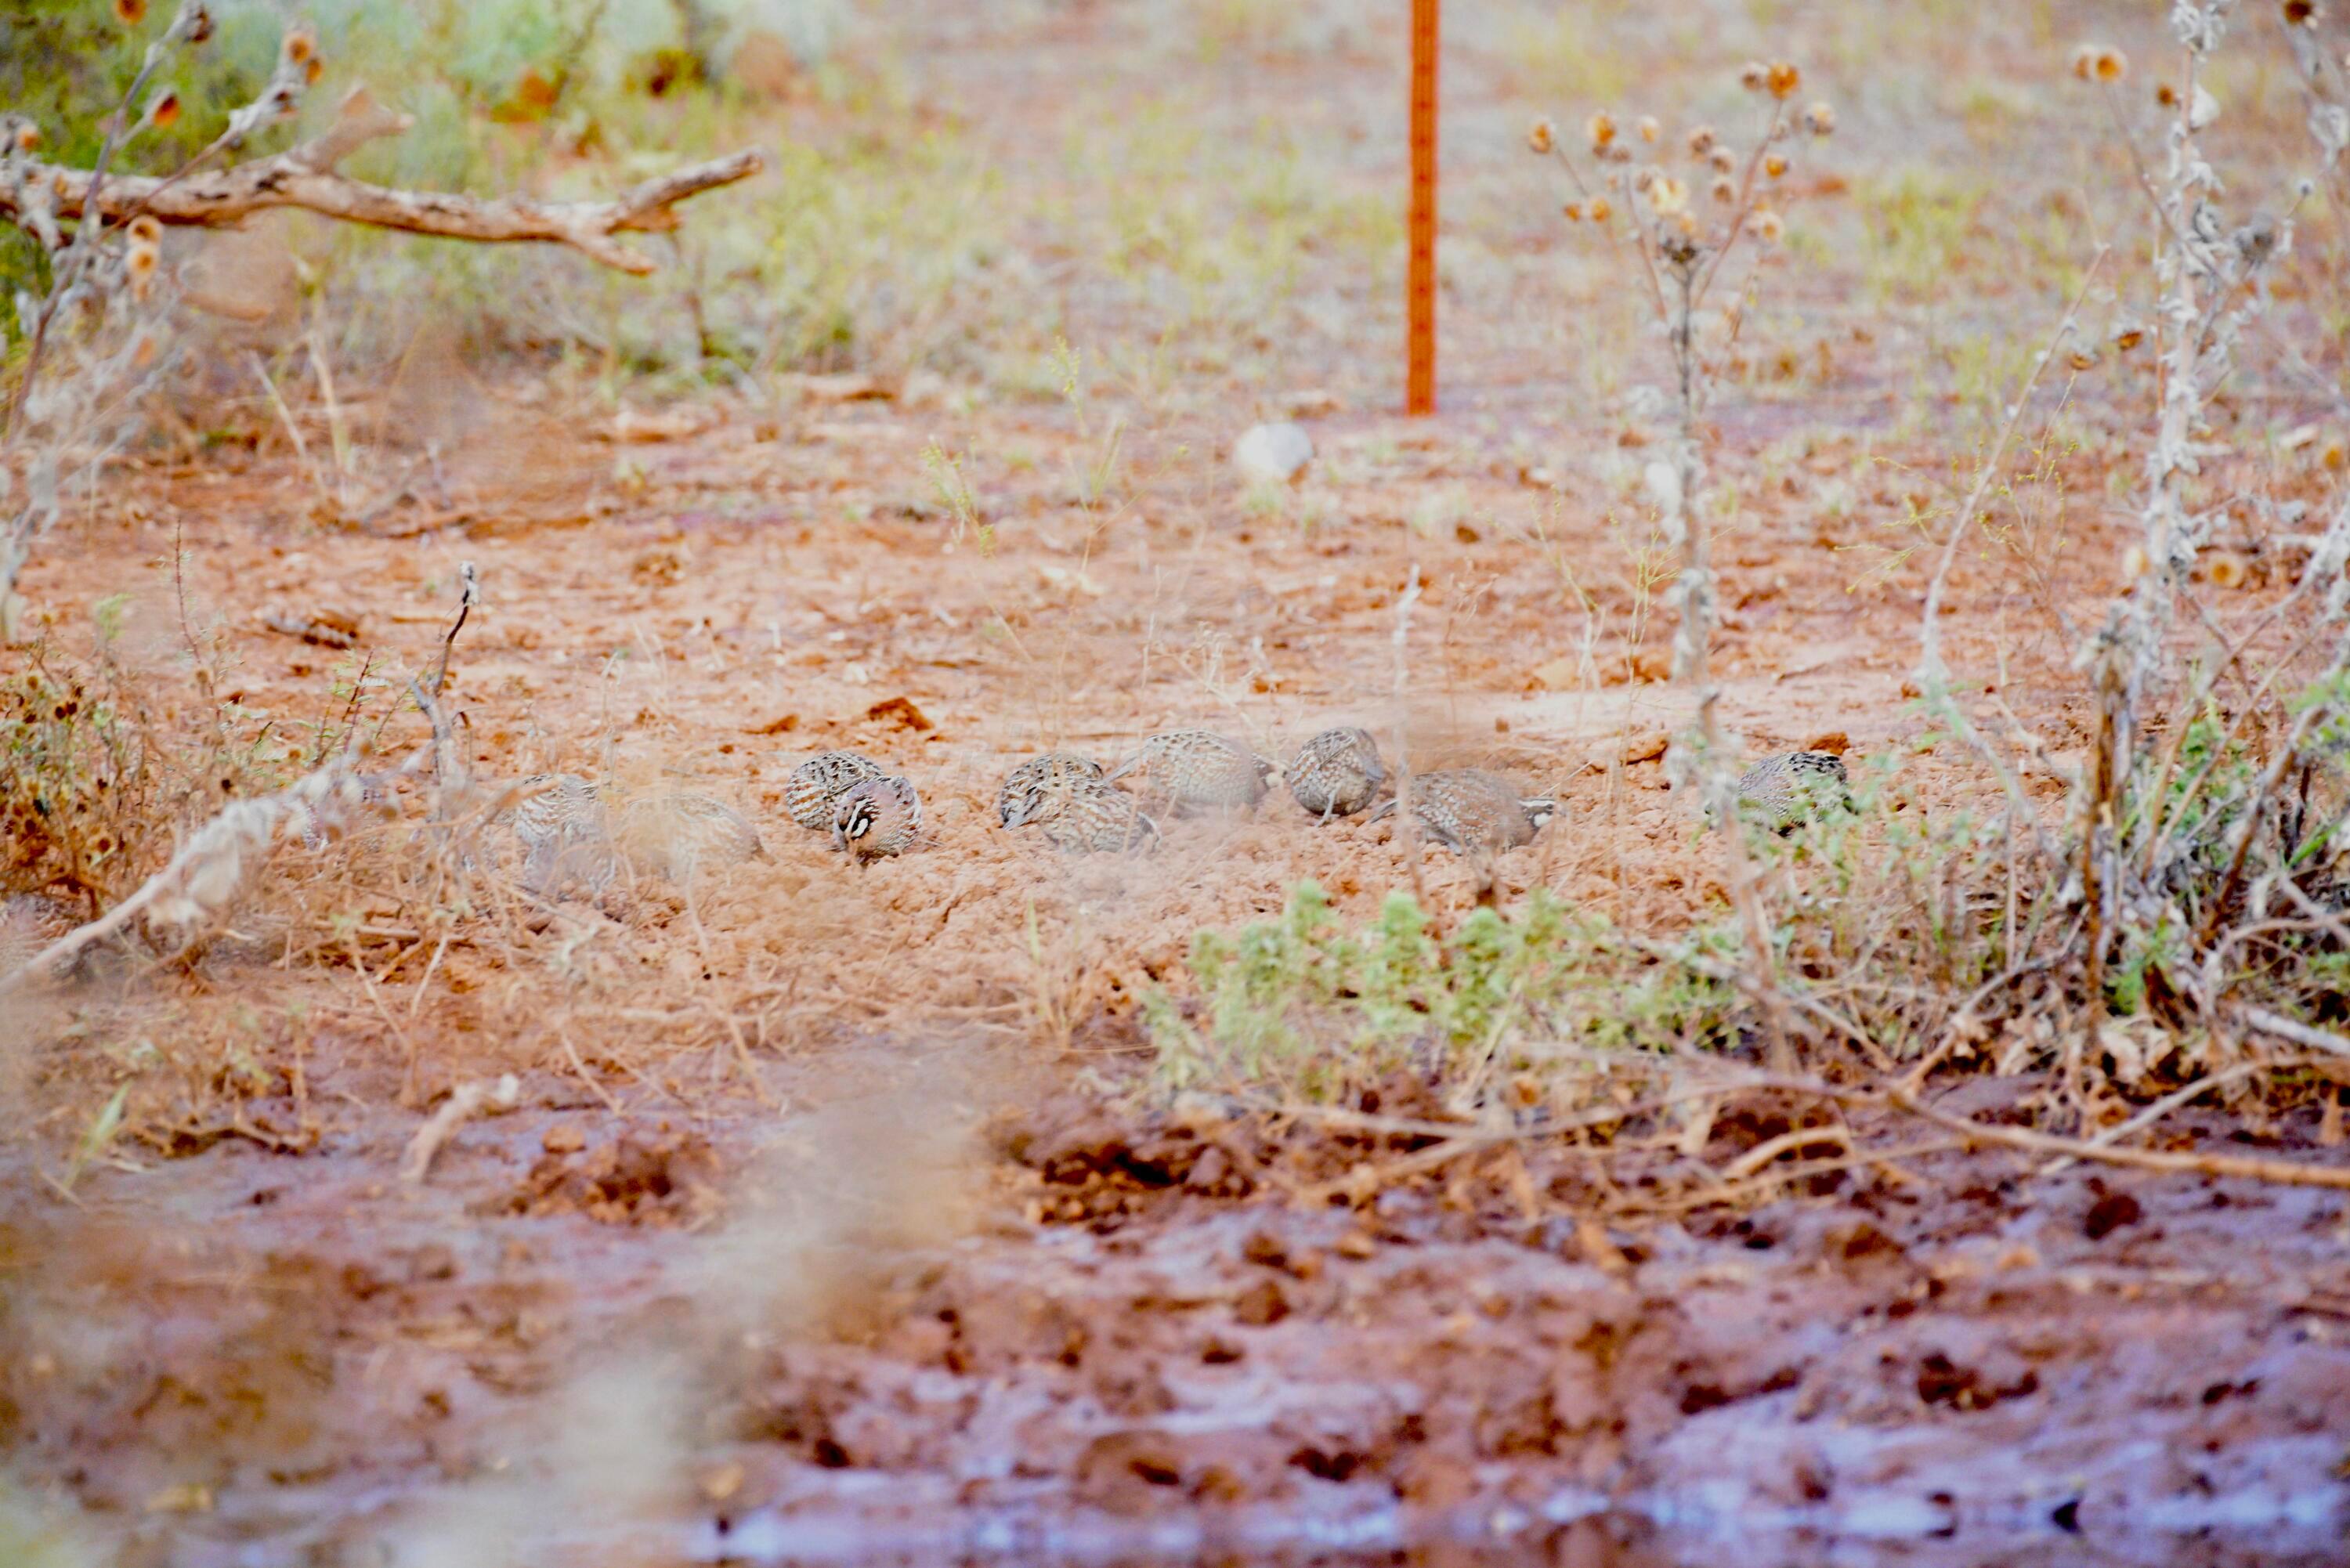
(1087, 1337)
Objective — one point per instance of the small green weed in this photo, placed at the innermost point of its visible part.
(1307, 1004)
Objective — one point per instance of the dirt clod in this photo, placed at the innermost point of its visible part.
(2110, 1213)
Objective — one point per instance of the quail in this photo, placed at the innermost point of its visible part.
(1781, 792)
(677, 833)
(816, 783)
(1038, 787)
(1336, 774)
(559, 821)
(1472, 812)
(1094, 818)
(876, 817)
(1195, 770)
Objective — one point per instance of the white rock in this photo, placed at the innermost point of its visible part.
(1273, 454)
(1664, 486)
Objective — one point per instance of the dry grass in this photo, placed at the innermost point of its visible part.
(1095, 556)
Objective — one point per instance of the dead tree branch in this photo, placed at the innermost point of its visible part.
(306, 177)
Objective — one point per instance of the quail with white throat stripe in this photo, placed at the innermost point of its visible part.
(877, 817)
(816, 783)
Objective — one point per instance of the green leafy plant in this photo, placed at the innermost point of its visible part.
(1309, 1006)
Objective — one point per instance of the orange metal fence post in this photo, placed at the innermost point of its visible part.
(1420, 369)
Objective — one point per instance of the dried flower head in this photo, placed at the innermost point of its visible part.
(1645, 176)
(1539, 136)
(2128, 337)
(2334, 456)
(2226, 569)
(1702, 138)
(1723, 159)
(146, 229)
(1649, 128)
(2080, 360)
(2097, 63)
(1668, 195)
(298, 46)
(1725, 190)
(164, 109)
(1599, 209)
(139, 263)
(1574, 212)
(1601, 128)
(1820, 120)
(1769, 227)
(194, 23)
(131, 13)
(1775, 164)
(1784, 79)
(2164, 93)
(2302, 13)
(1754, 75)
(28, 136)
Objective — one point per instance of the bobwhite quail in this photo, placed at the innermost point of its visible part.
(1337, 773)
(1473, 811)
(818, 783)
(1781, 792)
(675, 833)
(1094, 818)
(560, 823)
(1196, 770)
(876, 817)
(1038, 787)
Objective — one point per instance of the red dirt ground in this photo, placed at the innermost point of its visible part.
(944, 1288)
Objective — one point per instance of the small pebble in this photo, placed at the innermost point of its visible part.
(1273, 454)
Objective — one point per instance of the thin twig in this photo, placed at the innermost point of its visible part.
(466, 1101)
(471, 583)
(2277, 1171)
(2161, 1108)
(2303, 1035)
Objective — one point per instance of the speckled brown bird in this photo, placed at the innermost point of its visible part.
(1038, 787)
(1198, 771)
(1472, 812)
(1096, 818)
(1781, 793)
(874, 817)
(560, 822)
(817, 783)
(1337, 773)
(676, 832)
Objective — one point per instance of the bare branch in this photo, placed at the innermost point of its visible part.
(305, 177)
